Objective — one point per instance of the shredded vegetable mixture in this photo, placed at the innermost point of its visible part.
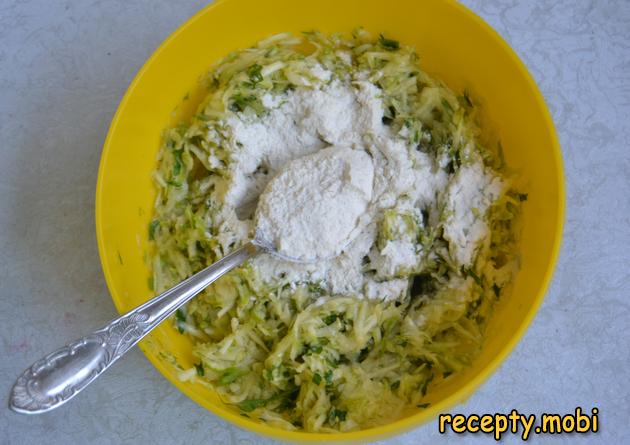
(291, 353)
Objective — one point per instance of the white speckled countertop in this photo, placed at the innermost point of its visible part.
(64, 66)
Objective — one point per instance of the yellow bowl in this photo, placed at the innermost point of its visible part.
(453, 44)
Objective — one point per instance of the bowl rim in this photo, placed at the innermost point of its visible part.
(400, 425)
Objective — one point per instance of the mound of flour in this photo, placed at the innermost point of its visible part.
(310, 121)
(312, 209)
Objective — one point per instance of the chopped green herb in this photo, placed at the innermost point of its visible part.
(363, 354)
(317, 379)
(315, 349)
(153, 226)
(315, 288)
(288, 399)
(177, 168)
(467, 98)
(328, 376)
(230, 375)
(200, 370)
(337, 415)
(425, 385)
(251, 404)
(177, 164)
(238, 102)
(470, 273)
(254, 73)
(180, 319)
(501, 155)
(388, 44)
(423, 284)
(330, 319)
(387, 120)
(446, 104)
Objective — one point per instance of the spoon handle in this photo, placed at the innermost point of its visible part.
(62, 374)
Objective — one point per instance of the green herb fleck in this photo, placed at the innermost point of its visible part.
(251, 404)
(473, 275)
(238, 102)
(423, 284)
(467, 98)
(425, 385)
(447, 106)
(337, 414)
(330, 319)
(328, 376)
(199, 369)
(177, 164)
(230, 375)
(177, 168)
(153, 226)
(500, 154)
(180, 319)
(317, 379)
(363, 354)
(388, 44)
(254, 73)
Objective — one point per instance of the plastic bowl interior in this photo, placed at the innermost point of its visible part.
(453, 44)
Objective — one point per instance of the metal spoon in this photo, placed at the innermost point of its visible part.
(58, 377)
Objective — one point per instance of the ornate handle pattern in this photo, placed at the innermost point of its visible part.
(58, 377)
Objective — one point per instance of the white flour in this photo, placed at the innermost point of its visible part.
(304, 122)
(300, 124)
(467, 198)
(312, 208)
